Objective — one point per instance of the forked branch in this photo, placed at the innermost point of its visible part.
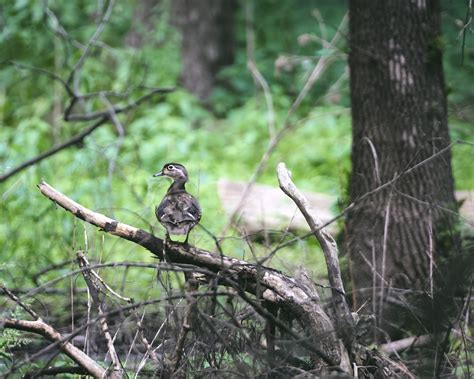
(263, 282)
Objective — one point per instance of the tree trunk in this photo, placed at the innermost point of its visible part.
(207, 28)
(399, 119)
(143, 23)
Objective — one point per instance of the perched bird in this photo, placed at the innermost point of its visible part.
(179, 211)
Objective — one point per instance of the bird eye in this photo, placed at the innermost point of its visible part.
(170, 167)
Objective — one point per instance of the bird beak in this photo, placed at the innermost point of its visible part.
(158, 174)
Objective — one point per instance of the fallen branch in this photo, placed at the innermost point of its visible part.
(117, 371)
(51, 334)
(263, 282)
(48, 332)
(345, 323)
(405, 343)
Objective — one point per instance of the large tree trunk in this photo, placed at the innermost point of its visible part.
(399, 119)
(207, 28)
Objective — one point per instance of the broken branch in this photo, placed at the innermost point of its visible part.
(328, 245)
(263, 282)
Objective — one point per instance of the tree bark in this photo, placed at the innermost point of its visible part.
(207, 28)
(399, 119)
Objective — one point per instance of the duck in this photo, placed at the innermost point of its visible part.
(179, 211)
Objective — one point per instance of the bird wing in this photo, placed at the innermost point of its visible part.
(178, 209)
(190, 209)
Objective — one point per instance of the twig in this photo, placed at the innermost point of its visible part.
(121, 135)
(384, 258)
(323, 62)
(368, 194)
(190, 286)
(94, 291)
(73, 77)
(288, 125)
(116, 109)
(148, 347)
(59, 29)
(103, 117)
(467, 22)
(78, 138)
(252, 66)
(42, 71)
(344, 319)
(25, 307)
(276, 287)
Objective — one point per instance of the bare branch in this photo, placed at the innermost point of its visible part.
(368, 194)
(114, 110)
(266, 283)
(288, 125)
(42, 71)
(323, 62)
(329, 246)
(25, 307)
(252, 66)
(75, 73)
(94, 291)
(48, 332)
(78, 138)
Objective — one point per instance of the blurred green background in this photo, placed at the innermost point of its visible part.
(226, 138)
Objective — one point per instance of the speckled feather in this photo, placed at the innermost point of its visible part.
(178, 212)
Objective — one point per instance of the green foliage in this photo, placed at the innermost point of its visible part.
(317, 149)
(461, 95)
(10, 339)
(226, 141)
(296, 59)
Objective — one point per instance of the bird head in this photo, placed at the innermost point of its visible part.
(174, 171)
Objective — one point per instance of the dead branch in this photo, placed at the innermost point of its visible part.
(265, 283)
(94, 291)
(103, 116)
(344, 320)
(368, 194)
(48, 332)
(60, 341)
(77, 139)
(288, 124)
(40, 327)
(405, 343)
